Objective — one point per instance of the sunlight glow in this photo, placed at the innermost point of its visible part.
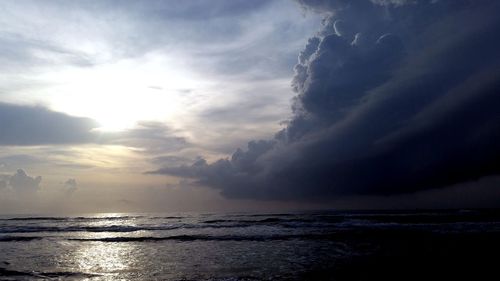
(119, 94)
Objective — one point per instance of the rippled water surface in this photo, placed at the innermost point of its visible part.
(236, 246)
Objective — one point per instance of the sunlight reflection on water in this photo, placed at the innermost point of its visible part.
(217, 247)
(108, 258)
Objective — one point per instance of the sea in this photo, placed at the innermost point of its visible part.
(319, 245)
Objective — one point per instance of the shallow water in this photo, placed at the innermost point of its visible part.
(235, 246)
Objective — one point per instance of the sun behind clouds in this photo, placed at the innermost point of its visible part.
(119, 94)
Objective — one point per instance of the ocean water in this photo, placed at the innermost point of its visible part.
(421, 245)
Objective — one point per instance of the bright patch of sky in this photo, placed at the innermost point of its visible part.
(121, 62)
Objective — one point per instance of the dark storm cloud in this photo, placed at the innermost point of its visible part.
(392, 97)
(37, 125)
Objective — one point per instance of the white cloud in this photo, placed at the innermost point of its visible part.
(20, 181)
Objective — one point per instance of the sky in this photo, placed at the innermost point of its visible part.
(229, 105)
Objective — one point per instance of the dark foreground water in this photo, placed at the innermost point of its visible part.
(427, 245)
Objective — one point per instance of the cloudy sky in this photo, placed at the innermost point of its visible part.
(112, 106)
